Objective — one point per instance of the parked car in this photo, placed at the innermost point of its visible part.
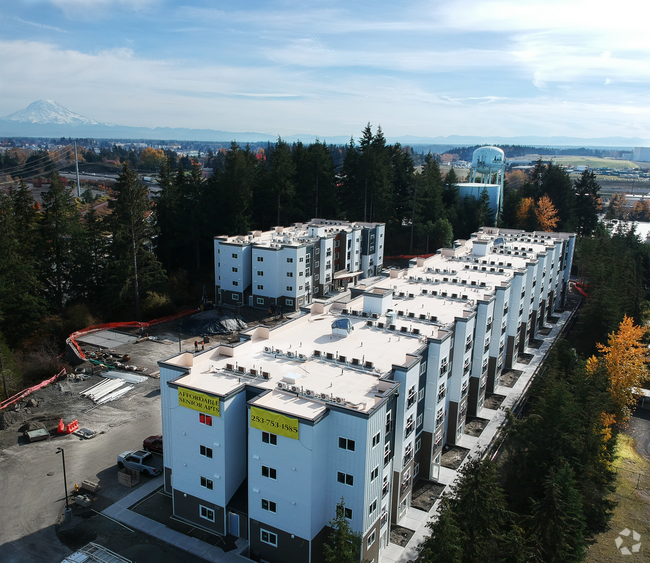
(140, 460)
(153, 444)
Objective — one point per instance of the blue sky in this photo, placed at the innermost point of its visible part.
(426, 68)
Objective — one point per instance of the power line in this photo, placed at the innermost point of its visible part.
(58, 155)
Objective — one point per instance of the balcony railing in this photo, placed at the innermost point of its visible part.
(405, 485)
(409, 428)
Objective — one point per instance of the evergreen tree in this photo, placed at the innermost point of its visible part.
(445, 544)
(557, 520)
(90, 250)
(343, 545)
(133, 269)
(59, 226)
(21, 304)
(586, 203)
(282, 175)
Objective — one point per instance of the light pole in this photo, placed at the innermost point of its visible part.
(65, 484)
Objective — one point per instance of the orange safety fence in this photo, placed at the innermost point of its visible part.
(18, 396)
(76, 349)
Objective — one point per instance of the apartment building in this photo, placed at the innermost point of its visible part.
(353, 399)
(288, 267)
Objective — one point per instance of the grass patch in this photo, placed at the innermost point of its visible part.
(633, 509)
(594, 162)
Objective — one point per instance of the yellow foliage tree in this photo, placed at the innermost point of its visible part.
(152, 159)
(546, 214)
(526, 214)
(624, 358)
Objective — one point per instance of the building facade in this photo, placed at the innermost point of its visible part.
(288, 267)
(354, 400)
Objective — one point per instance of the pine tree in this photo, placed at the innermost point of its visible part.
(557, 521)
(343, 545)
(59, 225)
(445, 544)
(133, 269)
(587, 203)
(282, 175)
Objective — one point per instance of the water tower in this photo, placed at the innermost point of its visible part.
(486, 173)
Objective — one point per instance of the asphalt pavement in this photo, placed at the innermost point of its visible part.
(32, 486)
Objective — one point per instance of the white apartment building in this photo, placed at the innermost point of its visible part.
(354, 399)
(288, 267)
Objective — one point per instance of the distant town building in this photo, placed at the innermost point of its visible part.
(641, 154)
(354, 398)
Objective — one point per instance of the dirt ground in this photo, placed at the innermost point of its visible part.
(400, 535)
(425, 494)
(525, 358)
(453, 456)
(510, 377)
(474, 426)
(493, 401)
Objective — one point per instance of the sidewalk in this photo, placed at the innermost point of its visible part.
(417, 520)
(120, 512)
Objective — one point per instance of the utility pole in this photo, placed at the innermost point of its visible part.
(68, 512)
(76, 164)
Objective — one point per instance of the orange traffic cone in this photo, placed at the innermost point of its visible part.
(61, 427)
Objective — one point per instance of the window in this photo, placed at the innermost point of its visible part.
(300, 259)
(234, 256)
(372, 507)
(416, 469)
(269, 537)
(316, 250)
(260, 258)
(269, 472)
(418, 444)
(260, 287)
(269, 505)
(234, 269)
(269, 438)
(371, 538)
(206, 513)
(301, 273)
(386, 453)
(316, 277)
(205, 419)
(375, 439)
(346, 444)
(289, 302)
(290, 260)
(260, 272)
(411, 397)
(389, 421)
(289, 288)
(289, 274)
(260, 300)
(205, 451)
(374, 473)
(419, 420)
(385, 487)
(410, 426)
(347, 512)
(207, 483)
(420, 394)
(317, 264)
(345, 478)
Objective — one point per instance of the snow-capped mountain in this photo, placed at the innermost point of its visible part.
(49, 112)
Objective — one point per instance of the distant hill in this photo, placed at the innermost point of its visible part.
(46, 118)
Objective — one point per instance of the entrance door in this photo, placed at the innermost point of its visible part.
(233, 524)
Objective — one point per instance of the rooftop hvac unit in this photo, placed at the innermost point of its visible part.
(279, 352)
(280, 385)
(290, 354)
(340, 400)
(324, 396)
(294, 389)
(309, 392)
(302, 357)
(267, 349)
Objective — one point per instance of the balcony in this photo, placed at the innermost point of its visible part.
(463, 391)
(409, 429)
(411, 401)
(404, 486)
(385, 489)
(408, 455)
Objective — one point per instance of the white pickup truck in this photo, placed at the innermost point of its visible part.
(140, 460)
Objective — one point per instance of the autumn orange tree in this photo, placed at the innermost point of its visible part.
(526, 218)
(624, 359)
(546, 214)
